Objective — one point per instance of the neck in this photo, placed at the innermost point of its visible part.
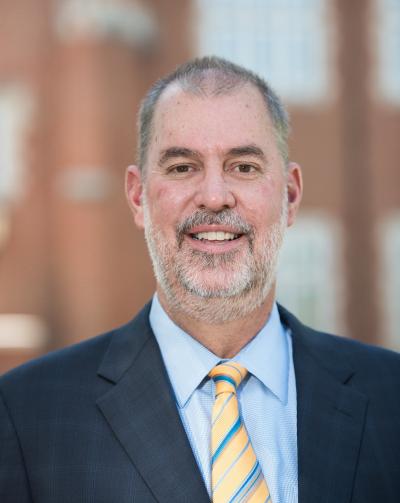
(223, 339)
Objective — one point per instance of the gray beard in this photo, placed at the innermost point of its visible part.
(247, 280)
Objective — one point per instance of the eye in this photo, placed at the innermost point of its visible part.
(180, 169)
(244, 168)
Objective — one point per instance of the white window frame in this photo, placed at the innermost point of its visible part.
(317, 36)
(131, 22)
(310, 280)
(385, 21)
(15, 117)
(389, 240)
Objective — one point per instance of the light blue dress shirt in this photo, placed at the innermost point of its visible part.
(267, 398)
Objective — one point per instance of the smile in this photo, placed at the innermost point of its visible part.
(215, 236)
(215, 241)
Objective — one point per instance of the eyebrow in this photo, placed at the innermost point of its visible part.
(173, 152)
(240, 151)
(247, 150)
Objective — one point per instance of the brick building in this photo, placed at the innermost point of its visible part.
(72, 73)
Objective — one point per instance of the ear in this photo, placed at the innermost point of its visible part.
(133, 192)
(294, 191)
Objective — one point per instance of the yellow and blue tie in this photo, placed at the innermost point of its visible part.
(235, 472)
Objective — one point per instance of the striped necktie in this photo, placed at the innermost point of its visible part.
(236, 474)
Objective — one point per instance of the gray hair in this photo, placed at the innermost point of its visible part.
(211, 76)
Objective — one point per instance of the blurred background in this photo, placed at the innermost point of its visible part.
(72, 73)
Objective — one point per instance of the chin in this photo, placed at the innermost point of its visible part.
(221, 308)
(214, 285)
(216, 302)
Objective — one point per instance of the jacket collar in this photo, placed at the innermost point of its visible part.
(141, 411)
(330, 415)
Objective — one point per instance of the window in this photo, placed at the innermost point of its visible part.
(390, 279)
(22, 331)
(388, 45)
(131, 22)
(285, 41)
(309, 272)
(15, 111)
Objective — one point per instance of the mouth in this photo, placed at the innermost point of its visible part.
(215, 241)
(213, 233)
(213, 236)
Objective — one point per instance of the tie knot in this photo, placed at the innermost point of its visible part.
(227, 377)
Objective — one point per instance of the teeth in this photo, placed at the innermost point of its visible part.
(216, 236)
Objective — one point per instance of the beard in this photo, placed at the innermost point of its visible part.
(215, 288)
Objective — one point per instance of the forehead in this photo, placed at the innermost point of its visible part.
(206, 121)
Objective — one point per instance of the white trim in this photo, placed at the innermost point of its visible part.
(385, 46)
(131, 22)
(16, 111)
(22, 331)
(310, 279)
(87, 184)
(288, 43)
(389, 240)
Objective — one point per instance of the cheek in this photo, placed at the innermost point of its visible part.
(160, 194)
(262, 204)
(167, 205)
(170, 197)
(256, 199)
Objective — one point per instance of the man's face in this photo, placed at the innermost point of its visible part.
(215, 201)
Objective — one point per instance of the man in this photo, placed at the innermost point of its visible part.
(212, 391)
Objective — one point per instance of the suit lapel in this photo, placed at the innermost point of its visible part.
(330, 420)
(142, 413)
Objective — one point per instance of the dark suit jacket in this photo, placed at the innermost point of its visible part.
(97, 422)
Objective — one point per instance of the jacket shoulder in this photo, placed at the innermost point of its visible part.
(78, 360)
(83, 359)
(370, 366)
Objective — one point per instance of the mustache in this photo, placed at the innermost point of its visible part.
(206, 217)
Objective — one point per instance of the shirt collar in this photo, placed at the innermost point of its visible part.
(267, 356)
(178, 348)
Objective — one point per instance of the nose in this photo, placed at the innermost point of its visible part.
(214, 192)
